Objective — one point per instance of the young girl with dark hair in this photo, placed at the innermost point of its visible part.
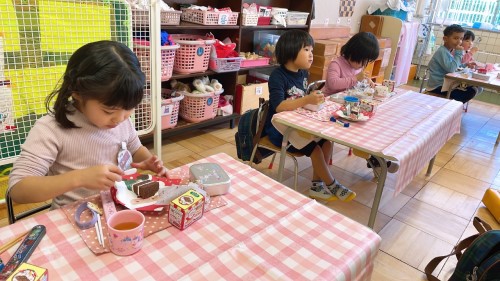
(287, 87)
(72, 152)
(345, 71)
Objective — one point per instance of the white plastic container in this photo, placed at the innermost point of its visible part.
(211, 177)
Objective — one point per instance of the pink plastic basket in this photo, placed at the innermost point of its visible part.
(225, 64)
(141, 17)
(167, 60)
(209, 18)
(193, 54)
(170, 109)
(199, 107)
(256, 62)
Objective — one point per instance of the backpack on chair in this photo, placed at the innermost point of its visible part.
(250, 128)
(481, 259)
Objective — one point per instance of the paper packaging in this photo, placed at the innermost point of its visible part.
(211, 177)
(186, 209)
(247, 96)
(29, 272)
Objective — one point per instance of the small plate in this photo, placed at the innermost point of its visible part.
(362, 118)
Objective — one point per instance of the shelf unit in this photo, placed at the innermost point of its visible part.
(241, 35)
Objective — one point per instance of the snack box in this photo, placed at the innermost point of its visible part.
(186, 209)
(314, 107)
(484, 77)
(29, 272)
(211, 177)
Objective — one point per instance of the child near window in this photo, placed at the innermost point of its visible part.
(72, 152)
(287, 86)
(447, 59)
(467, 44)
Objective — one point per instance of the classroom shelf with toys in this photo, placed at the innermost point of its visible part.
(248, 38)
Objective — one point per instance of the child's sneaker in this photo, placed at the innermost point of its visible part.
(392, 167)
(319, 192)
(342, 192)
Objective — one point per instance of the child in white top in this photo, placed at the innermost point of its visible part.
(72, 152)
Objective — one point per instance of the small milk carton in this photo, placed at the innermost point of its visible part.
(186, 209)
(29, 272)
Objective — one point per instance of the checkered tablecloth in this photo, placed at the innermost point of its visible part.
(409, 128)
(266, 231)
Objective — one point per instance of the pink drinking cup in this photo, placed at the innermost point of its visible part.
(126, 232)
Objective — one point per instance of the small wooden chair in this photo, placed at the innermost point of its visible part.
(10, 209)
(265, 143)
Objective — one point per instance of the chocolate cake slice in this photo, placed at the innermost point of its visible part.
(146, 189)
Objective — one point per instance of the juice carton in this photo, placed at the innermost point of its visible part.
(186, 209)
(29, 272)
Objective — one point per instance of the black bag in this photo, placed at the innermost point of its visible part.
(250, 130)
(481, 259)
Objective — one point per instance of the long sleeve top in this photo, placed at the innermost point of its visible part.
(50, 149)
(340, 76)
(283, 85)
(442, 62)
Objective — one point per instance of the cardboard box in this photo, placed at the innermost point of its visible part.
(186, 209)
(27, 271)
(325, 48)
(412, 73)
(323, 61)
(329, 31)
(247, 96)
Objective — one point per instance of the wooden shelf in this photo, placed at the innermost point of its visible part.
(190, 26)
(183, 126)
(272, 26)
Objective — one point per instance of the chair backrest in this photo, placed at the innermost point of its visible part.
(261, 120)
(11, 212)
(424, 80)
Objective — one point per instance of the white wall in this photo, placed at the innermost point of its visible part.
(328, 10)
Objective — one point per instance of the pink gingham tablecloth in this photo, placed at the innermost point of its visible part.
(267, 231)
(409, 128)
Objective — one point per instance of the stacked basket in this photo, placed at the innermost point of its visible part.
(193, 54)
(199, 107)
(167, 60)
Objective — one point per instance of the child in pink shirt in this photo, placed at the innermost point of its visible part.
(345, 71)
(467, 44)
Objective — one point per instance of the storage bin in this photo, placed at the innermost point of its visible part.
(209, 17)
(249, 19)
(296, 18)
(265, 43)
(141, 17)
(199, 107)
(167, 60)
(400, 14)
(6, 107)
(170, 108)
(193, 54)
(256, 62)
(278, 13)
(225, 64)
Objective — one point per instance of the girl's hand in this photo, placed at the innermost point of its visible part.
(473, 50)
(152, 164)
(100, 177)
(362, 75)
(316, 97)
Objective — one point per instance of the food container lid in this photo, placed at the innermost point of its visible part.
(351, 99)
(208, 173)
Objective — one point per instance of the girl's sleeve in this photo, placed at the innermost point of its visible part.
(335, 83)
(134, 143)
(38, 153)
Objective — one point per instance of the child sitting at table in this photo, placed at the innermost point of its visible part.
(467, 43)
(347, 70)
(447, 59)
(73, 152)
(287, 87)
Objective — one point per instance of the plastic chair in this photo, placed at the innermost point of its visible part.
(10, 209)
(265, 143)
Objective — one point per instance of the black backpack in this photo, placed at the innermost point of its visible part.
(250, 130)
(481, 259)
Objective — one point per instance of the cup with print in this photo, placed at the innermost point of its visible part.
(381, 90)
(126, 232)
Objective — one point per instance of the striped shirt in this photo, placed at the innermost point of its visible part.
(52, 150)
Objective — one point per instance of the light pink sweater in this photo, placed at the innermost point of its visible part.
(52, 150)
(340, 76)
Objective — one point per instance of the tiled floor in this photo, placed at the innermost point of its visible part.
(427, 219)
